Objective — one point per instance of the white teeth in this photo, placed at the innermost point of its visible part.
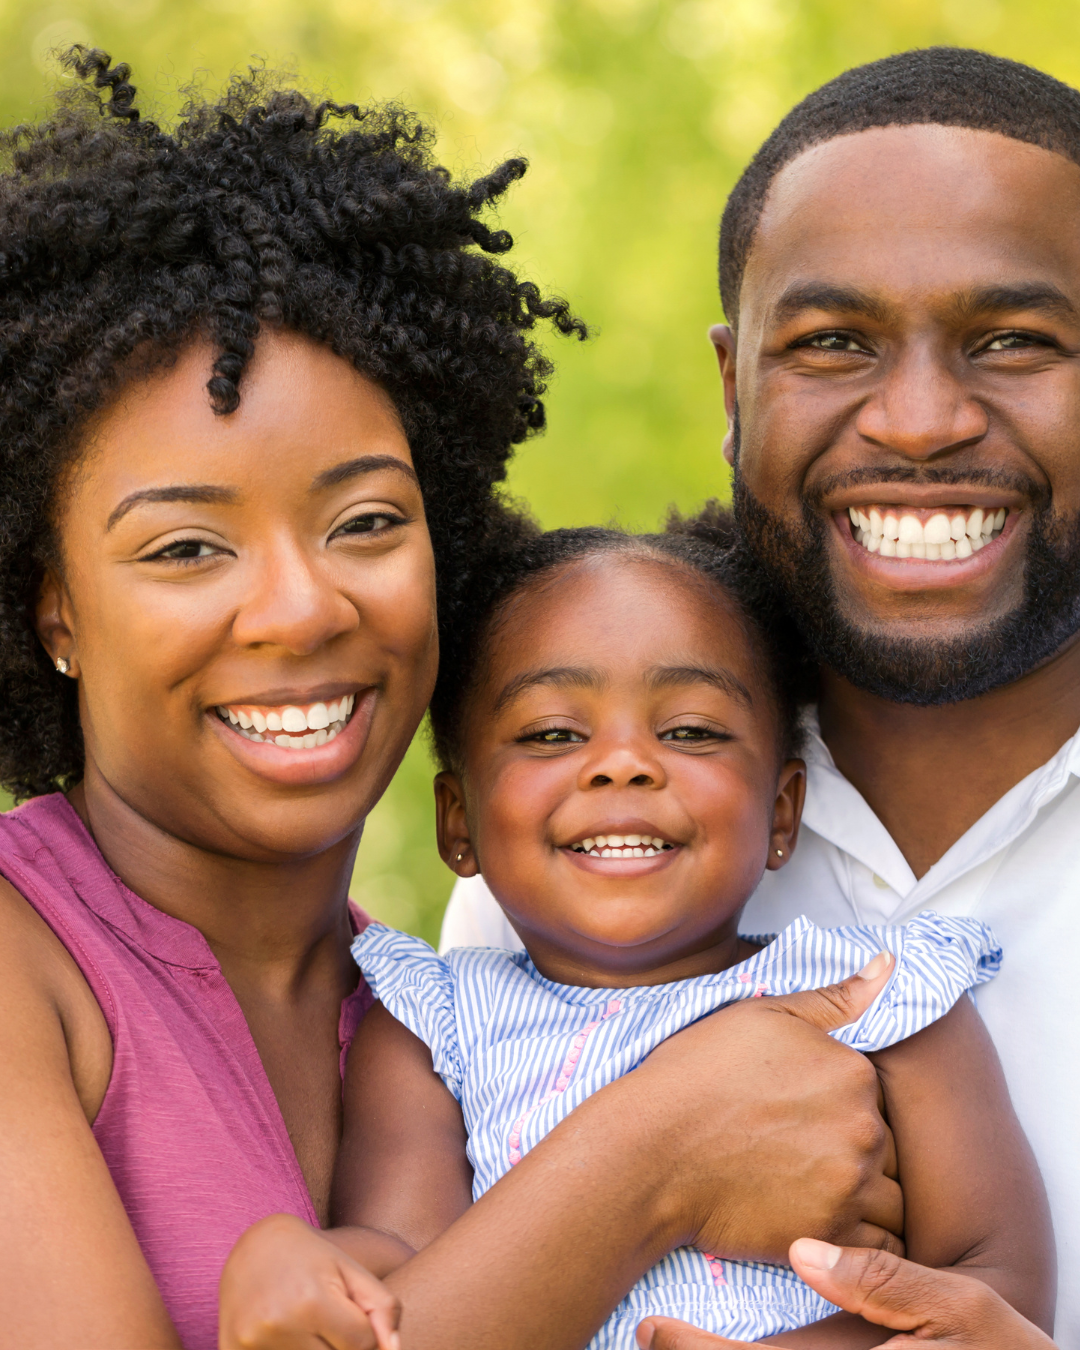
(292, 719)
(975, 523)
(321, 736)
(854, 514)
(957, 527)
(932, 552)
(605, 853)
(903, 550)
(233, 718)
(888, 548)
(632, 839)
(309, 741)
(911, 531)
(937, 529)
(963, 547)
(318, 716)
(877, 526)
(615, 841)
(891, 525)
(977, 543)
(999, 519)
(333, 712)
(948, 551)
(258, 719)
(245, 720)
(273, 721)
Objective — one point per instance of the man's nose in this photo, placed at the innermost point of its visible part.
(623, 761)
(922, 407)
(294, 603)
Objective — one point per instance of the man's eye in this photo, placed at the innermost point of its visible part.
(1006, 342)
(371, 523)
(834, 342)
(185, 549)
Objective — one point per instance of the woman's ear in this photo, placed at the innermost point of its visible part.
(787, 812)
(451, 826)
(722, 338)
(53, 621)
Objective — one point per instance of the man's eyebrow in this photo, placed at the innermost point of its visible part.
(562, 677)
(1039, 295)
(179, 492)
(821, 295)
(664, 677)
(354, 468)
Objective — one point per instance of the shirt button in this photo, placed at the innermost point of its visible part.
(880, 883)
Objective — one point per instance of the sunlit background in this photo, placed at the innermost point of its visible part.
(636, 116)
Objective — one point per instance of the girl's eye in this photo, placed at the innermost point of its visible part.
(692, 735)
(184, 550)
(555, 736)
(371, 523)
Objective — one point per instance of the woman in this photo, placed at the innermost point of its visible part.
(259, 380)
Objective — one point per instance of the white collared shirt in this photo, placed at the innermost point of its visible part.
(1017, 869)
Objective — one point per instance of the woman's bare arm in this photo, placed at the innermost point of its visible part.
(71, 1272)
(974, 1199)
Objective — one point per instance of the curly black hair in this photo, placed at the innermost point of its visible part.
(516, 554)
(119, 238)
(941, 86)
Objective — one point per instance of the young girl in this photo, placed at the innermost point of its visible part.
(618, 734)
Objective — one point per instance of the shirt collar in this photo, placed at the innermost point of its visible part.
(837, 811)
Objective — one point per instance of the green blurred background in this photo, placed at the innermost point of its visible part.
(637, 116)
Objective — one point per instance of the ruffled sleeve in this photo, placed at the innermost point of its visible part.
(415, 985)
(938, 959)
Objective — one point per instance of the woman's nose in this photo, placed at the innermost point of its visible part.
(294, 604)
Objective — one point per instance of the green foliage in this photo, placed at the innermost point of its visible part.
(636, 115)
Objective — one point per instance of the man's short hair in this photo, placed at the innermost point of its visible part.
(941, 86)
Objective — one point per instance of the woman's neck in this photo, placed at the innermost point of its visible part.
(275, 924)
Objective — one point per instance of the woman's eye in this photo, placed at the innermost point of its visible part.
(184, 550)
(834, 342)
(370, 523)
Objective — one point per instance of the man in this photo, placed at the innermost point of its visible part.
(900, 266)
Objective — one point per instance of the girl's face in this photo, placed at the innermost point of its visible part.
(621, 713)
(217, 571)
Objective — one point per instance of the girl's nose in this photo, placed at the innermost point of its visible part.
(623, 763)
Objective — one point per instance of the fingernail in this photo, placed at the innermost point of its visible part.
(876, 967)
(818, 1255)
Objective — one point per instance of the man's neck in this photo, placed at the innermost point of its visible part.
(930, 773)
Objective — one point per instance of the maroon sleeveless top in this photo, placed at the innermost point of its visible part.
(189, 1127)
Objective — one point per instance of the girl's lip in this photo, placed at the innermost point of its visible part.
(917, 574)
(622, 867)
(300, 768)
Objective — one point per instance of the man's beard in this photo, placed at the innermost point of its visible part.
(923, 671)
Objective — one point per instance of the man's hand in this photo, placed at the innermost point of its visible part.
(782, 1135)
(286, 1287)
(927, 1307)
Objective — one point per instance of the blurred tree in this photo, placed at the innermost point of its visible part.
(637, 116)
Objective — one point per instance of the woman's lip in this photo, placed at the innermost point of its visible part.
(919, 574)
(622, 867)
(299, 768)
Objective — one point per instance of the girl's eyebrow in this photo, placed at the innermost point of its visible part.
(565, 677)
(662, 677)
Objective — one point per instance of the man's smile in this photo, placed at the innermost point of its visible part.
(935, 535)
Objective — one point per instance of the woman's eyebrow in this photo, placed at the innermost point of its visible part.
(354, 468)
(664, 677)
(563, 677)
(180, 492)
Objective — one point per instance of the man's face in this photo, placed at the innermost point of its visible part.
(909, 354)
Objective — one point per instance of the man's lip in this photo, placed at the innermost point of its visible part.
(922, 497)
(299, 768)
(919, 574)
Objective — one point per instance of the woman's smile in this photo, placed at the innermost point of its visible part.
(299, 754)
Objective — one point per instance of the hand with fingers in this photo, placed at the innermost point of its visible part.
(783, 1135)
(926, 1308)
(286, 1287)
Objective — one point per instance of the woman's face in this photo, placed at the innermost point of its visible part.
(248, 601)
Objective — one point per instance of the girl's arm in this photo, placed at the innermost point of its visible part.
(974, 1199)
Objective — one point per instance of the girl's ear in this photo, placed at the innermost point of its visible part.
(451, 826)
(787, 812)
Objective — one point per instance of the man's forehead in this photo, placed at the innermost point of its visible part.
(916, 207)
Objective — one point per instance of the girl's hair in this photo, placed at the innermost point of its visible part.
(120, 242)
(517, 554)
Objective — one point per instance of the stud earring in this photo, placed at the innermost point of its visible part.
(63, 665)
(779, 852)
(460, 856)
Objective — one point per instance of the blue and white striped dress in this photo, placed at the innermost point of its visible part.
(520, 1052)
